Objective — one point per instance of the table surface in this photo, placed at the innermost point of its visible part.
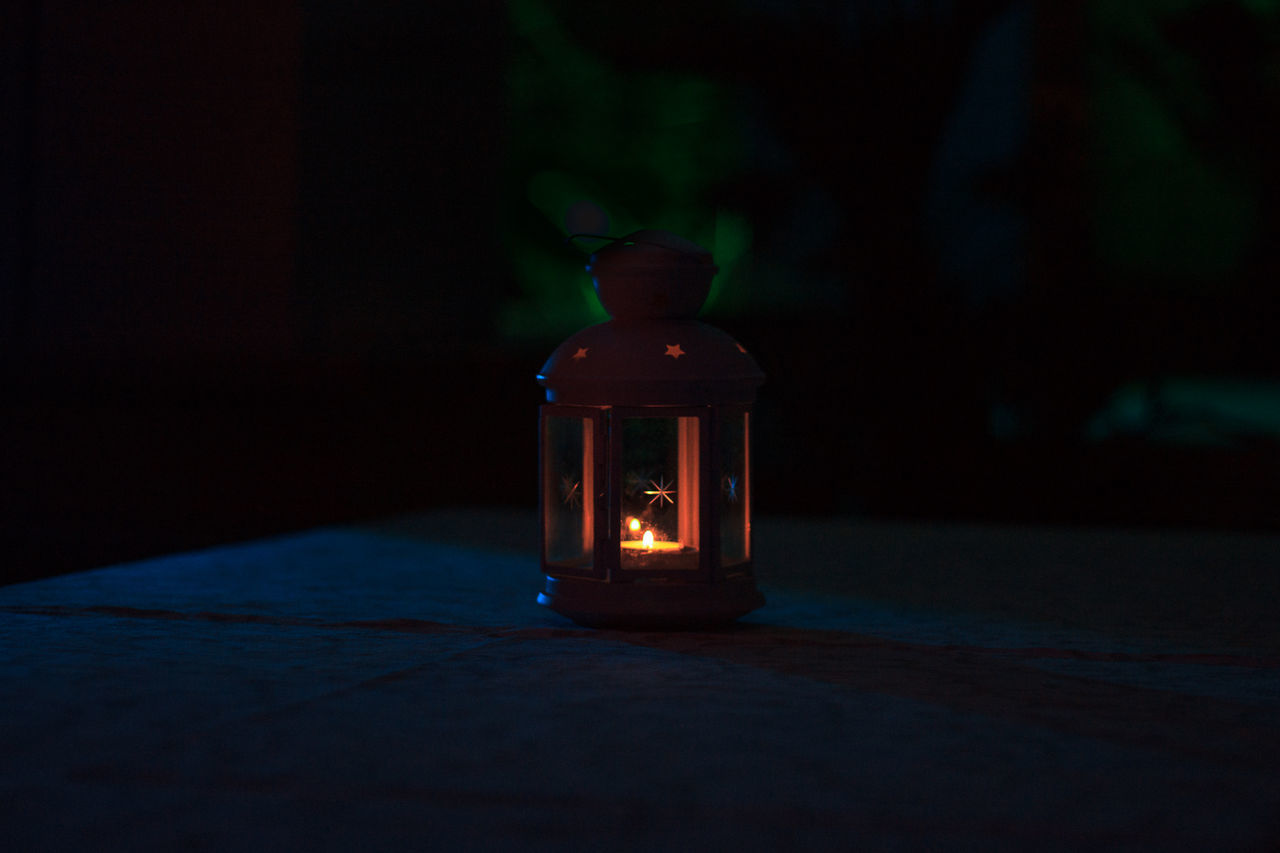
(906, 686)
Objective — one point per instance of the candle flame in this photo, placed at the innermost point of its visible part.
(633, 524)
(648, 539)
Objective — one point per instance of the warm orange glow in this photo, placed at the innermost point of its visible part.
(634, 524)
(648, 544)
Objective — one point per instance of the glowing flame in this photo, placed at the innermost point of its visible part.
(634, 524)
(648, 539)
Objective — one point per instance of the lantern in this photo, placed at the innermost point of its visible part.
(645, 469)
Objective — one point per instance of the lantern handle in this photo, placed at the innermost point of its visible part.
(583, 236)
(628, 240)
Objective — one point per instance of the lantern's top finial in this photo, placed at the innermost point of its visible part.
(650, 275)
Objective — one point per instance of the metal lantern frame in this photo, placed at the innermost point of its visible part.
(607, 517)
(652, 361)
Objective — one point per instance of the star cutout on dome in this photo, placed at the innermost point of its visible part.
(741, 348)
(674, 351)
(661, 491)
(580, 354)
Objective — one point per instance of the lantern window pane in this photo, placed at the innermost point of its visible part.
(568, 491)
(660, 493)
(734, 470)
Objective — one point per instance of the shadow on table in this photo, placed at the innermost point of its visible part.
(1198, 589)
(1011, 684)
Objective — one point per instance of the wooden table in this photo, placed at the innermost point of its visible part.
(396, 686)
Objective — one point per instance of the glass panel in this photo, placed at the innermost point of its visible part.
(567, 491)
(659, 493)
(735, 510)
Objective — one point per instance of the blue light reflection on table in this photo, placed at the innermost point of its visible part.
(390, 685)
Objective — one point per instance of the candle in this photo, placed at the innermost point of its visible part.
(648, 541)
(645, 551)
(648, 544)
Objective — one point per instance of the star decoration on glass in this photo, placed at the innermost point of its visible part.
(580, 354)
(571, 492)
(730, 485)
(661, 491)
(674, 351)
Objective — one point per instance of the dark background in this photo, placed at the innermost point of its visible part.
(259, 265)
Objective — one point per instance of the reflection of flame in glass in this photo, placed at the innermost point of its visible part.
(648, 538)
(633, 524)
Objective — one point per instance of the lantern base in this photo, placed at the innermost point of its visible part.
(599, 604)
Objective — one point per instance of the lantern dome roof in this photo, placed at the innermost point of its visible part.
(653, 351)
(667, 362)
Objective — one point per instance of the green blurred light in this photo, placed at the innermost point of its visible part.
(731, 237)
(651, 148)
(1166, 207)
(1261, 7)
(1190, 411)
(554, 193)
